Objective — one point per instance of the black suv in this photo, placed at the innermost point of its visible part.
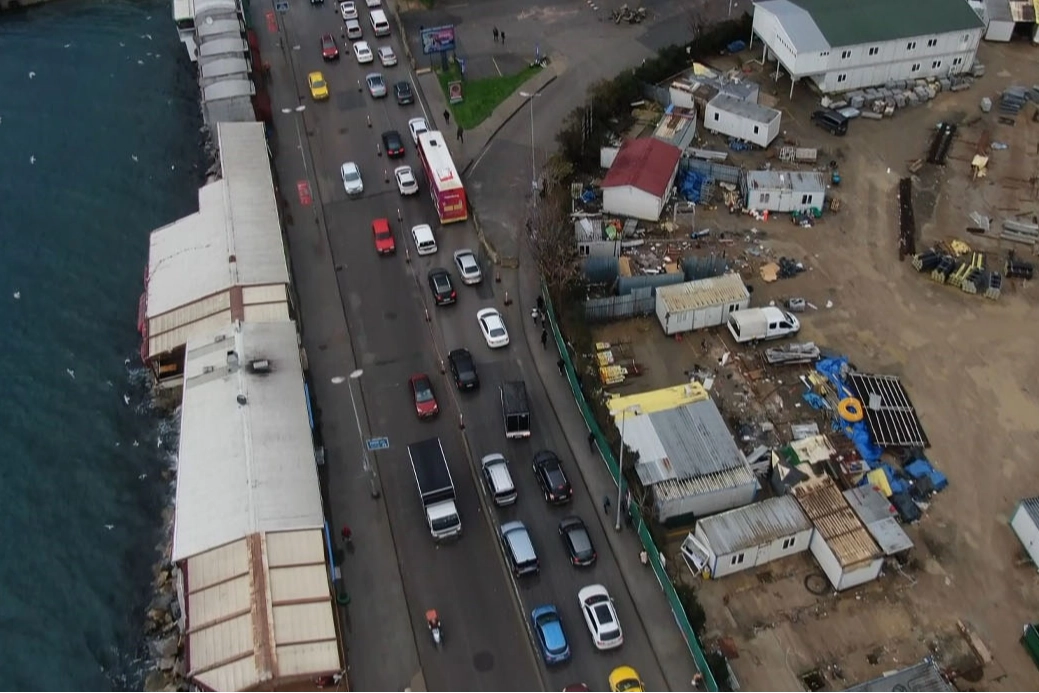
(549, 472)
(440, 284)
(577, 541)
(463, 368)
(402, 90)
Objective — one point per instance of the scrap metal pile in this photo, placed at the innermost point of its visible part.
(626, 14)
(955, 264)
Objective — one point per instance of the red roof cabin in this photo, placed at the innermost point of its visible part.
(639, 182)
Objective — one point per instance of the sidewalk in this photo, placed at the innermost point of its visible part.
(666, 640)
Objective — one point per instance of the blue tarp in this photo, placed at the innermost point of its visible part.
(921, 468)
(736, 46)
(691, 185)
(833, 369)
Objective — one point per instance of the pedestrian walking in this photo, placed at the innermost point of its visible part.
(447, 116)
(544, 338)
(348, 535)
(460, 133)
(541, 304)
(606, 504)
(496, 34)
(503, 37)
(534, 314)
(591, 440)
(561, 364)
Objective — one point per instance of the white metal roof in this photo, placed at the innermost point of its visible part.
(213, 68)
(714, 291)
(755, 524)
(183, 10)
(244, 468)
(229, 88)
(797, 181)
(219, 46)
(210, 6)
(259, 611)
(743, 109)
(797, 24)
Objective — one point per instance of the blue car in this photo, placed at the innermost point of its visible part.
(548, 629)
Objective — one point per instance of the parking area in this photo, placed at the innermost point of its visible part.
(967, 361)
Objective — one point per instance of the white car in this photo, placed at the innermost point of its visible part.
(363, 52)
(416, 126)
(493, 328)
(372, 3)
(601, 617)
(376, 85)
(468, 267)
(387, 57)
(406, 183)
(348, 9)
(352, 182)
(353, 29)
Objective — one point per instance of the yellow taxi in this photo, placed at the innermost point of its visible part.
(626, 679)
(318, 86)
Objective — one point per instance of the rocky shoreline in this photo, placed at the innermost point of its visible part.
(163, 617)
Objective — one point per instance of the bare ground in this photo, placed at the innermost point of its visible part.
(969, 364)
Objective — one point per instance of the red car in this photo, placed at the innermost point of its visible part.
(329, 49)
(422, 393)
(384, 243)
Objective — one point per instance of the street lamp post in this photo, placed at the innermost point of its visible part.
(368, 470)
(299, 135)
(620, 466)
(533, 162)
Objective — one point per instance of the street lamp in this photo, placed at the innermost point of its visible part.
(368, 470)
(620, 466)
(299, 135)
(533, 164)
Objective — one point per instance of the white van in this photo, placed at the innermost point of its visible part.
(425, 242)
(380, 25)
(753, 324)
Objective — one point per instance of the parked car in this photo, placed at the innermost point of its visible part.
(402, 90)
(422, 395)
(425, 241)
(416, 126)
(548, 469)
(318, 86)
(601, 617)
(372, 3)
(440, 284)
(348, 9)
(329, 49)
(548, 630)
(577, 541)
(406, 183)
(363, 52)
(387, 57)
(352, 182)
(393, 144)
(376, 85)
(384, 241)
(625, 680)
(468, 267)
(463, 369)
(493, 328)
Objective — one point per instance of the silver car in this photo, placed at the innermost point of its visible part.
(352, 182)
(387, 57)
(468, 267)
(376, 85)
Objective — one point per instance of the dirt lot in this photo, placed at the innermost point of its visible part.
(969, 364)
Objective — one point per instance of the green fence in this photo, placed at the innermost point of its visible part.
(647, 540)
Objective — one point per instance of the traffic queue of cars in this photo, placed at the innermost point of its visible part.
(595, 602)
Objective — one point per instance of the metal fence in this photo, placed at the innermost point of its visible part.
(625, 285)
(639, 302)
(712, 170)
(655, 92)
(601, 269)
(704, 267)
(692, 642)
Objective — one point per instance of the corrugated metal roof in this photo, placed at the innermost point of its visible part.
(754, 525)
(797, 24)
(233, 240)
(222, 67)
(677, 126)
(646, 163)
(798, 181)
(837, 523)
(677, 489)
(260, 610)
(244, 468)
(879, 517)
(715, 291)
(220, 46)
(998, 11)
(1031, 506)
(683, 443)
(873, 21)
(212, 26)
(229, 88)
(924, 677)
(743, 109)
(203, 7)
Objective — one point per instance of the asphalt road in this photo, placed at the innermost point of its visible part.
(487, 647)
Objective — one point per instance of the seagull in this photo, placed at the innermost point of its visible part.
(140, 62)
(68, 45)
(72, 373)
(32, 75)
(17, 295)
(126, 400)
(32, 159)
(134, 157)
(148, 36)
(126, 361)
(142, 477)
(122, 45)
(136, 444)
(109, 527)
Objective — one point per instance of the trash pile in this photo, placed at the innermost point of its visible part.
(785, 268)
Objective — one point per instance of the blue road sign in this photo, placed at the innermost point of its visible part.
(381, 443)
(282, 6)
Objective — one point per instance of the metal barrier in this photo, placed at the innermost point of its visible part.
(636, 514)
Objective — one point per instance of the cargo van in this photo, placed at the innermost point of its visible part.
(380, 26)
(831, 121)
(754, 324)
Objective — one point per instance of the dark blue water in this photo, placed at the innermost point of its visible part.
(99, 145)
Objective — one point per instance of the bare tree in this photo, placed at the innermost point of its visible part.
(550, 236)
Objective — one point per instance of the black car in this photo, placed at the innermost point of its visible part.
(393, 144)
(440, 284)
(549, 471)
(577, 541)
(463, 368)
(402, 90)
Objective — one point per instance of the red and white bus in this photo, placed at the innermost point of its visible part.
(445, 185)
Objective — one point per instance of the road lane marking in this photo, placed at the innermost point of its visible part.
(496, 67)
(303, 188)
(272, 22)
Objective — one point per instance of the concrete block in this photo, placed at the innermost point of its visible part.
(837, 105)
(857, 101)
(945, 84)
(900, 100)
(870, 115)
(912, 99)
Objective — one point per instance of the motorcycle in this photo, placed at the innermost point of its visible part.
(436, 629)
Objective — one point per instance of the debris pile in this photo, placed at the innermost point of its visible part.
(956, 264)
(882, 102)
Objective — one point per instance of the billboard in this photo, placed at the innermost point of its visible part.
(438, 39)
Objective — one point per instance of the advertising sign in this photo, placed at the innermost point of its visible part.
(438, 39)
(454, 90)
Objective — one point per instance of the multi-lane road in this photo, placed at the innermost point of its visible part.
(386, 300)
